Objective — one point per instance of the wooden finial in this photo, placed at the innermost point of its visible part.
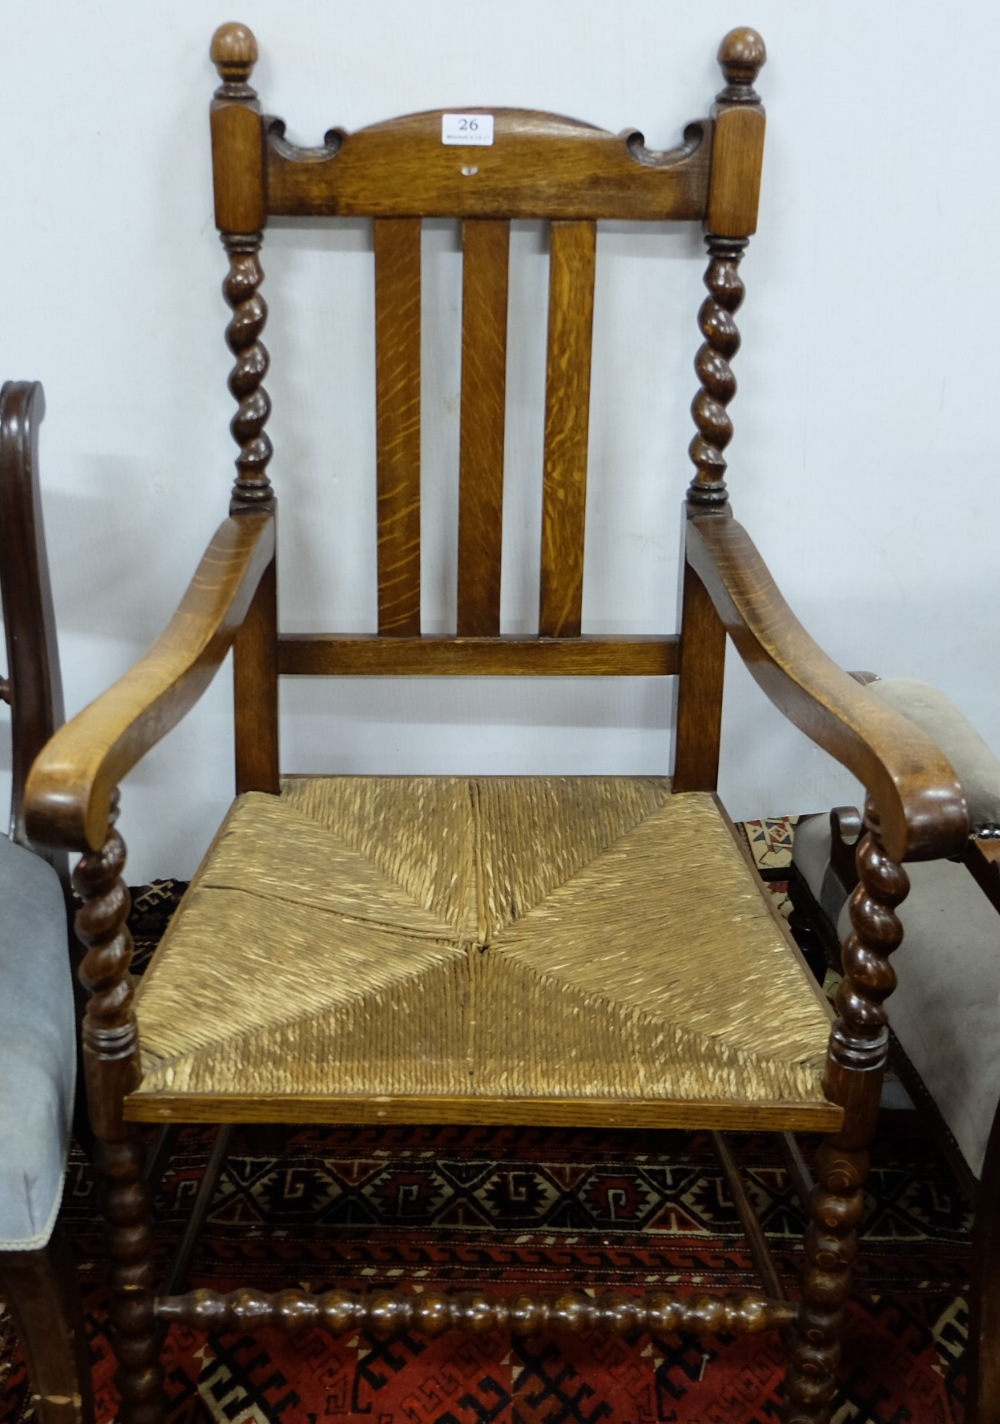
(234, 54)
(742, 55)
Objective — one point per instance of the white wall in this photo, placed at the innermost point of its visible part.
(866, 444)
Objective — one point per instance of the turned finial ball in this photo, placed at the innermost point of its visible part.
(234, 52)
(742, 55)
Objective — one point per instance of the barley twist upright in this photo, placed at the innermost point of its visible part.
(240, 290)
(716, 320)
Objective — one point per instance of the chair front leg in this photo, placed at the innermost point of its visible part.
(111, 1064)
(859, 1044)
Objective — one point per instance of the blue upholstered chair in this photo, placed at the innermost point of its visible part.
(37, 1015)
(945, 1010)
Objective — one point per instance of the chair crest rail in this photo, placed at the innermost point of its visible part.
(539, 165)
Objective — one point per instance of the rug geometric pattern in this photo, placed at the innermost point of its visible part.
(474, 1206)
(526, 1207)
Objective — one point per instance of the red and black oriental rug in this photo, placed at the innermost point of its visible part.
(468, 1207)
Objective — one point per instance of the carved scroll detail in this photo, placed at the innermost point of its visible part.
(240, 289)
(295, 153)
(858, 1050)
(635, 142)
(431, 1313)
(632, 140)
(718, 384)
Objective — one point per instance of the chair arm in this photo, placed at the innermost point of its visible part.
(921, 805)
(69, 790)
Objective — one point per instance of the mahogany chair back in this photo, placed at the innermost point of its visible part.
(32, 688)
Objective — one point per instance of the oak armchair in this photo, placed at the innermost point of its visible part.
(549, 950)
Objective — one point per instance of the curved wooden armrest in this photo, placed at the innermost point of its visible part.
(69, 789)
(920, 802)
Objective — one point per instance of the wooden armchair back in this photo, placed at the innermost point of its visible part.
(485, 169)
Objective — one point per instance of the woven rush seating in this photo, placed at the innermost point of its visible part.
(532, 947)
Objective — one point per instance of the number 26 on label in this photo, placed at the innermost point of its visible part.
(469, 129)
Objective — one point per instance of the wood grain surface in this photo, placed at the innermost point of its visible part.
(567, 425)
(539, 165)
(315, 654)
(486, 249)
(397, 387)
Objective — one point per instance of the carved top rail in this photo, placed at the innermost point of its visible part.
(537, 165)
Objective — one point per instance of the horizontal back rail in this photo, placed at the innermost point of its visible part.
(344, 655)
(537, 166)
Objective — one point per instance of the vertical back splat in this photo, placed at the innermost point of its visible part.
(486, 247)
(397, 382)
(567, 417)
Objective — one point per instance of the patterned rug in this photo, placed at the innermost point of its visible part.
(467, 1207)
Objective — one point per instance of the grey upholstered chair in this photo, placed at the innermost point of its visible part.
(37, 1015)
(945, 1011)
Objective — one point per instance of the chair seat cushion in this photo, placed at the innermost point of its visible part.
(484, 949)
(37, 1047)
(945, 1010)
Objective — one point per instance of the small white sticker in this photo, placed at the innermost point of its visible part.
(470, 129)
